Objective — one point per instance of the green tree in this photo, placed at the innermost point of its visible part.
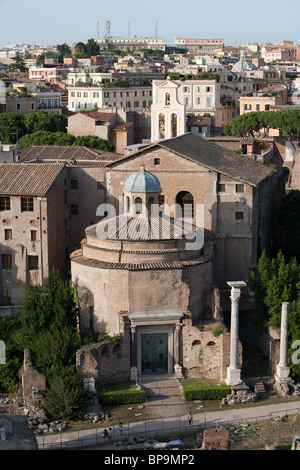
(11, 127)
(63, 49)
(9, 382)
(43, 121)
(52, 304)
(54, 350)
(65, 399)
(287, 121)
(94, 142)
(275, 281)
(46, 138)
(92, 48)
(289, 219)
(18, 65)
(80, 48)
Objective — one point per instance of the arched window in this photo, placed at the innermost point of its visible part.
(150, 202)
(138, 205)
(185, 203)
(162, 131)
(174, 125)
(128, 204)
(167, 99)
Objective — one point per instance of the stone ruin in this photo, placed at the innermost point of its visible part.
(215, 439)
(32, 382)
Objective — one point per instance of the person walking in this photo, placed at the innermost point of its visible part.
(120, 428)
(190, 418)
(105, 434)
(109, 434)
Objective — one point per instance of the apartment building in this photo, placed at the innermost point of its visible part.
(23, 105)
(117, 96)
(279, 53)
(264, 100)
(132, 43)
(32, 237)
(48, 196)
(197, 46)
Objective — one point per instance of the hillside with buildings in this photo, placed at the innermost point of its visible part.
(159, 232)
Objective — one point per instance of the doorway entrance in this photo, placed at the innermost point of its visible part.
(154, 353)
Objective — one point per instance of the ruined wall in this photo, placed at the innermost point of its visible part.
(106, 362)
(206, 355)
(33, 382)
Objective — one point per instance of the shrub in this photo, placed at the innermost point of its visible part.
(218, 331)
(122, 397)
(206, 393)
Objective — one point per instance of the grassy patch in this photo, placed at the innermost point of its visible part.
(127, 385)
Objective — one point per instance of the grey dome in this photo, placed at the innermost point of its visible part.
(142, 182)
(242, 65)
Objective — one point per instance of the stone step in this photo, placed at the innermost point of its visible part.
(259, 387)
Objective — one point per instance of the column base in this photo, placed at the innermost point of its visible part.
(178, 371)
(283, 373)
(233, 376)
(133, 374)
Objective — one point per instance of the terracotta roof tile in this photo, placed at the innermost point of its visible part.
(29, 179)
(213, 157)
(65, 153)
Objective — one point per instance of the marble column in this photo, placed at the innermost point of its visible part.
(233, 371)
(133, 347)
(177, 366)
(283, 370)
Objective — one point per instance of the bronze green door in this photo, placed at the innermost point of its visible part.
(155, 353)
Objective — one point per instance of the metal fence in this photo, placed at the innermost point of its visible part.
(173, 428)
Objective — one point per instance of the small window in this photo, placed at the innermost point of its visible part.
(6, 261)
(239, 188)
(221, 188)
(33, 262)
(239, 215)
(74, 209)
(33, 235)
(26, 204)
(4, 203)
(8, 234)
(6, 296)
(74, 184)
(100, 185)
(156, 161)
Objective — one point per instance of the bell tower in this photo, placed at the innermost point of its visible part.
(168, 117)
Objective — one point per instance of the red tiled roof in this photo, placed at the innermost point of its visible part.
(122, 126)
(29, 179)
(99, 116)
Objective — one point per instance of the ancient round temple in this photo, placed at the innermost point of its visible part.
(140, 278)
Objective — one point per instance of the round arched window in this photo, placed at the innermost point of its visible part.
(138, 205)
(185, 204)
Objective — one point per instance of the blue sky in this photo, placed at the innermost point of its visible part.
(235, 21)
